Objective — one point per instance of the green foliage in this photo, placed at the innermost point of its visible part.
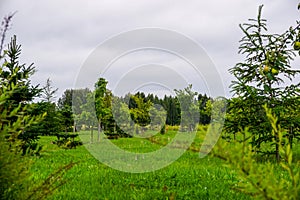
(19, 93)
(261, 179)
(87, 116)
(67, 140)
(65, 110)
(14, 159)
(121, 116)
(172, 128)
(158, 118)
(13, 171)
(172, 107)
(189, 108)
(265, 77)
(104, 111)
(14, 73)
(70, 108)
(95, 108)
(66, 99)
(50, 124)
(205, 109)
(102, 101)
(163, 129)
(140, 111)
(13, 167)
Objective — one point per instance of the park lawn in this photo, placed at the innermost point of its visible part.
(187, 178)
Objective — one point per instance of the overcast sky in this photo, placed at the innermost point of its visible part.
(59, 35)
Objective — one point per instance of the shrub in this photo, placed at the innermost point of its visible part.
(67, 140)
(172, 128)
(258, 179)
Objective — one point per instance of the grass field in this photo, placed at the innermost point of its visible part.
(189, 177)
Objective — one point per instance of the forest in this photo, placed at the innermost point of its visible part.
(46, 146)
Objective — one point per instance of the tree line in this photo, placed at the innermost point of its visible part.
(112, 114)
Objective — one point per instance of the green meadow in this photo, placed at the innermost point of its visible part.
(189, 177)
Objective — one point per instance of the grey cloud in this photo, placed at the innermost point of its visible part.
(59, 35)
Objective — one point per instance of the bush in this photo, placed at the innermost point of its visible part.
(13, 169)
(172, 128)
(201, 127)
(261, 180)
(163, 130)
(67, 140)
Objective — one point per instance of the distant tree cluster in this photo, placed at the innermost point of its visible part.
(123, 116)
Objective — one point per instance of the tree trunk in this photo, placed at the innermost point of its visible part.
(74, 127)
(92, 134)
(99, 130)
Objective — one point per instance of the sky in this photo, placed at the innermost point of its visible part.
(59, 37)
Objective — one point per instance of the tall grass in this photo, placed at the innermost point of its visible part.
(187, 178)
